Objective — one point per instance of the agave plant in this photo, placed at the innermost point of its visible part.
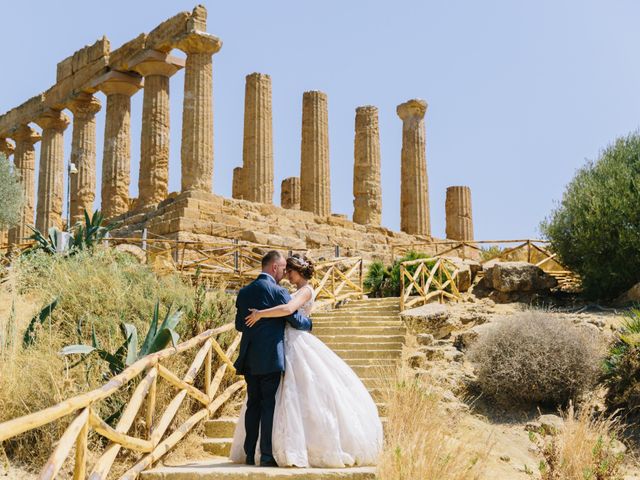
(83, 237)
(157, 338)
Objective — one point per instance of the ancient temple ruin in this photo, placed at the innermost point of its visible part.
(145, 65)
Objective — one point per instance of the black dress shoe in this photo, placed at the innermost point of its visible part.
(250, 460)
(268, 463)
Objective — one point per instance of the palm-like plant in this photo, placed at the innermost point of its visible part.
(83, 237)
(157, 338)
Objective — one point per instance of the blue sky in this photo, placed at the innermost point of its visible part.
(520, 93)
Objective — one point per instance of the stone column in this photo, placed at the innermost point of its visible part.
(290, 193)
(237, 187)
(116, 158)
(196, 151)
(83, 155)
(257, 147)
(24, 160)
(458, 211)
(51, 170)
(6, 148)
(367, 193)
(153, 180)
(315, 190)
(414, 197)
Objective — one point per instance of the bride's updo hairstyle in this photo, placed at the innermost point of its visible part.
(301, 264)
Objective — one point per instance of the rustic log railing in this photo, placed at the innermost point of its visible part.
(432, 278)
(338, 279)
(157, 443)
(528, 250)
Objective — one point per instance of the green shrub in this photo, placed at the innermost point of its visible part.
(384, 281)
(532, 358)
(622, 368)
(596, 228)
(11, 196)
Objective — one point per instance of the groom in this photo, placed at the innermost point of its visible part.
(261, 357)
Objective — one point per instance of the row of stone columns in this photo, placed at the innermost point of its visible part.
(196, 150)
(311, 191)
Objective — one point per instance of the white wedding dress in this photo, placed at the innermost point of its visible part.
(324, 415)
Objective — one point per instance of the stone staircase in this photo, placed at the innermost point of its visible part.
(369, 335)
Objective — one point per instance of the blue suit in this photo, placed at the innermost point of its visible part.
(261, 358)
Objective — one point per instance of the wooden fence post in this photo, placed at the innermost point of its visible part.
(401, 287)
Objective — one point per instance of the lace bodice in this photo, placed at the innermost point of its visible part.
(306, 307)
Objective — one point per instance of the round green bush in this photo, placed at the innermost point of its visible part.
(596, 228)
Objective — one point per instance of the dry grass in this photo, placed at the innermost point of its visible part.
(585, 449)
(534, 358)
(422, 439)
(101, 289)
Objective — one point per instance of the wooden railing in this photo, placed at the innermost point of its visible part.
(155, 442)
(430, 278)
(531, 251)
(338, 279)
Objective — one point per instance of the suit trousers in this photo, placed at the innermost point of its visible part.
(261, 404)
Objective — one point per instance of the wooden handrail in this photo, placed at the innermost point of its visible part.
(155, 447)
(425, 281)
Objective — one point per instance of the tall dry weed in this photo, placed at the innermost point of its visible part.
(100, 289)
(586, 448)
(422, 439)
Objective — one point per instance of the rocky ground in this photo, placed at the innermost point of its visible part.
(441, 337)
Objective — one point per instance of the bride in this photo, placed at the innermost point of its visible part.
(324, 415)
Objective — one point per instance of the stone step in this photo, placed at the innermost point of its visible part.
(334, 340)
(368, 345)
(380, 362)
(356, 313)
(373, 371)
(325, 331)
(373, 301)
(373, 383)
(223, 427)
(365, 310)
(338, 322)
(369, 354)
(222, 469)
(220, 447)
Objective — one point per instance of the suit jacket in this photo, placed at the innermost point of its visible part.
(262, 346)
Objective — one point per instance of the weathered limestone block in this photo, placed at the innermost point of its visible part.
(238, 185)
(51, 173)
(82, 58)
(257, 147)
(458, 212)
(153, 179)
(414, 196)
(83, 155)
(290, 193)
(315, 191)
(367, 192)
(197, 111)
(116, 161)
(507, 277)
(24, 160)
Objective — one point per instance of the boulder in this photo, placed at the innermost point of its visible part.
(425, 339)
(417, 360)
(551, 424)
(432, 318)
(508, 277)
